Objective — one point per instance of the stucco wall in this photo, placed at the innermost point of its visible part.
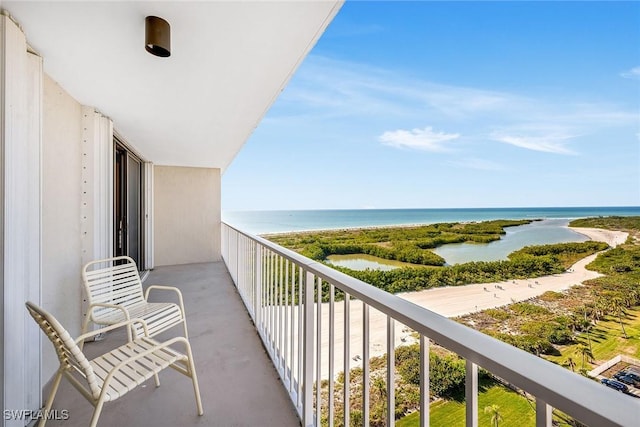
(61, 253)
(186, 215)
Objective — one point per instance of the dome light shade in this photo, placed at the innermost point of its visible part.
(157, 36)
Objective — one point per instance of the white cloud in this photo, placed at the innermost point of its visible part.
(478, 164)
(326, 88)
(330, 88)
(548, 143)
(633, 73)
(419, 139)
(361, 98)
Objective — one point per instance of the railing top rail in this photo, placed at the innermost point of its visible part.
(578, 396)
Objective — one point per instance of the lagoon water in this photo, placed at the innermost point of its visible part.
(537, 233)
(552, 230)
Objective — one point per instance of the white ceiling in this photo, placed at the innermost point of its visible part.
(229, 61)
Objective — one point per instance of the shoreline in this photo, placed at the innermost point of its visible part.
(610, 237)
(454, 301)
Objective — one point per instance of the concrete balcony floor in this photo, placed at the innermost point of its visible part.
(238, 383)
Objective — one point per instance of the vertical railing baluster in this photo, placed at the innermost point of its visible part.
(237, 241)
(544, 413)
(471, 394)
(242, 262)
(345, 362)
(269, 301)
(267, 319)
(238, 279)
(366, 381)
(272, 276)
(276, 330)
(300, 333)
(253, 279)
(257, 284)
(391, 372)
(293, 330)
(280, 360)
(307, 381)
(265, 260)
(318, 332)
(332, 348)
(424, 381)
(287, 336)
(243, 270)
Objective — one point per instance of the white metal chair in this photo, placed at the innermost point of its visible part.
(110, 376)
(114, 292)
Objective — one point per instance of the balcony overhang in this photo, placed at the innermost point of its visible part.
(229, 62)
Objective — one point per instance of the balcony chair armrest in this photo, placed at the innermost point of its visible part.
(105, 305)
(166, 288)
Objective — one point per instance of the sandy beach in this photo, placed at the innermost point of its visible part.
(450, 301)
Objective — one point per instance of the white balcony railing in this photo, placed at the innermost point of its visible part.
(305, 339)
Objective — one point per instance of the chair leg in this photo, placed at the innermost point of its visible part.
(96, 413)
(194, 379)
(52, 395)
(196, 390)
(157, 379)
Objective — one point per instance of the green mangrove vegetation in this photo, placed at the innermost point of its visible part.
(406, 244)
(412, 244)
(529, 262)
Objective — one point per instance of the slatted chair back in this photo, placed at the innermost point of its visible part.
(112, 281)
(72, 359)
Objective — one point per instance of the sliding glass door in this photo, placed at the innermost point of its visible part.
(127, 190)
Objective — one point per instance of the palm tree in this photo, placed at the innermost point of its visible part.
(495, 414)
(585, 352)
(570, 363)
(617, 306)
(599, 308)
(574, 323)
(634, 294)
(586, 327)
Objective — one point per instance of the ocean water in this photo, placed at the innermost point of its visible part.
(264, 222)
(543, 232)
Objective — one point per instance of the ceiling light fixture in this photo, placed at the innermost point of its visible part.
(157, 36)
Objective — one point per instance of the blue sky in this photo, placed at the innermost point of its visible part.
(454, 105)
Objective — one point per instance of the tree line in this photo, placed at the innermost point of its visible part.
(529, 262)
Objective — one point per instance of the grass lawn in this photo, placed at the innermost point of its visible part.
(607, 341)
(514, 409)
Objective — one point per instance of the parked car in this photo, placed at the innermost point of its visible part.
(632, 370)
(627, 379)
(616, 385)
(635, 376)
(619, 374)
